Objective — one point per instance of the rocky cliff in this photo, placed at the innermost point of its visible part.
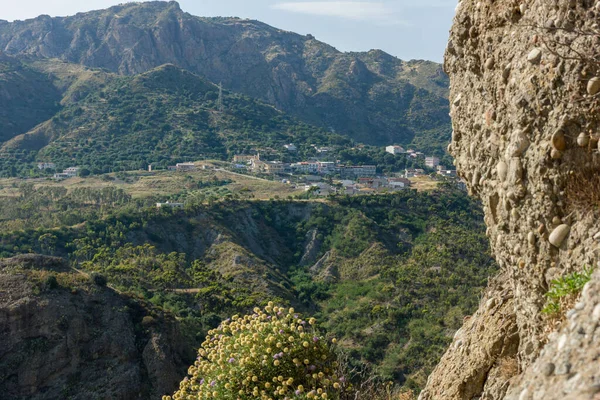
(64, 336)
(524, 103)
(372, 97)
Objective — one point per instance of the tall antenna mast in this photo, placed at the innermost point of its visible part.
(220, 101)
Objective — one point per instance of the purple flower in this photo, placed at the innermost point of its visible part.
(298, 392)
(281, 331)
(279, 312)
(296, 316)
(342, 379)
(231, 360)
(202, 381)
(315, 339)
(212, 383)
(312, 368)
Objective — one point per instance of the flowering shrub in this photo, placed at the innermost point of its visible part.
(271, 354)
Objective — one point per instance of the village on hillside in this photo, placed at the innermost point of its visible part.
(320, 178)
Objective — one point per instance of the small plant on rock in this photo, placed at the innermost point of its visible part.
(271, 354)
(564, 291)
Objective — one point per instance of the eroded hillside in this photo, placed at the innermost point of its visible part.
(391, 275)
(66, 335)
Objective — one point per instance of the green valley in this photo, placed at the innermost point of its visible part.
(390, 275)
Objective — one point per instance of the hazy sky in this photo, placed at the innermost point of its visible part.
(408, 29)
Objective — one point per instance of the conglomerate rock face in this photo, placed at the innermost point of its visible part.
(525, 95)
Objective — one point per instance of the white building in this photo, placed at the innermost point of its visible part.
(71, 171)
(290, 147)
(46, 165)
(185, 167)
(60, 176)
(432, 162)
(306, 167)
(326, 167)
(322, 150)
(358, 171)
(395, 150)
(169, 204)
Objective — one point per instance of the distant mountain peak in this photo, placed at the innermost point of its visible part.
(372, 96)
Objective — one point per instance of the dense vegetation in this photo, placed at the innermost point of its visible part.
(394, 278)
(161, 117)
(270, 354)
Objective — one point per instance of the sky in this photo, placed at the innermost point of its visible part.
(408, 29)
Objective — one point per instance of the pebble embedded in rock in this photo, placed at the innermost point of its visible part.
(531, 238)
(558, 140)
(506, 71)
(596, 313)
(457, 100)
(535, 56)
(502, 170)
(489, 63)
(556, 220)
(558, 235)
(583, 140)
(523, 8)
(593, 86)
(548, 369)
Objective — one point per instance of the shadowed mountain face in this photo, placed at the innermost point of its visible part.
(27, 98)
(371, 97)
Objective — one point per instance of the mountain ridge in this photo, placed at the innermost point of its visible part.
(345, 92)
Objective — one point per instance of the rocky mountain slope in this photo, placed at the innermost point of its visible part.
(66, 336)
(524, 91)
(371, 97)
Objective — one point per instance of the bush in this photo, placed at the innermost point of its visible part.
(98, 279)
(273, 354)
(51, 282)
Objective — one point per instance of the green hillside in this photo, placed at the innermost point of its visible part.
(167, 115)
(392, 276)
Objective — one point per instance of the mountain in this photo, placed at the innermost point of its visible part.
(111, 122)
(371, 97)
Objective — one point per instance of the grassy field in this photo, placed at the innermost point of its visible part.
(423, 183)
(141, 184)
